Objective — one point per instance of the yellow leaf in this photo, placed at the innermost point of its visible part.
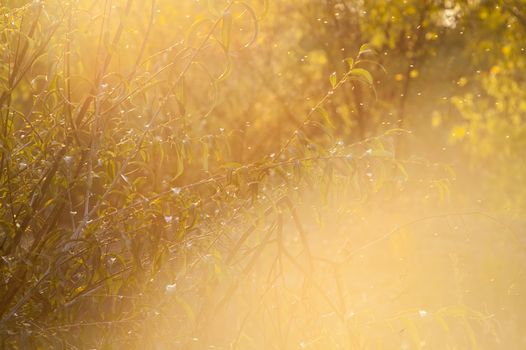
(226, 29)
(326, 117)
(360, 72)
(333, 79)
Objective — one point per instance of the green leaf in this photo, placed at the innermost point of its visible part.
(231, 165)
(360, 72)
(350, 62)
(333, 79)
(364, 49)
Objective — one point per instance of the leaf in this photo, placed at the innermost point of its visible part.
(226, 29)
(227, 70)
(160, 258)
(326, 117)
(401, 168)
(410, 325)
(350, 62)
(381, 153)
(187, 308)
(360, 72)
(212, 8)
(364, 49)
(190, 35)
(333, 79)
(253, 187)
(231, 165)
(442, 322)
(180, 165)
(205, 156)
(255, 20)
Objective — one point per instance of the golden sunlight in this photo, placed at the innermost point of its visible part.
(262, 174)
